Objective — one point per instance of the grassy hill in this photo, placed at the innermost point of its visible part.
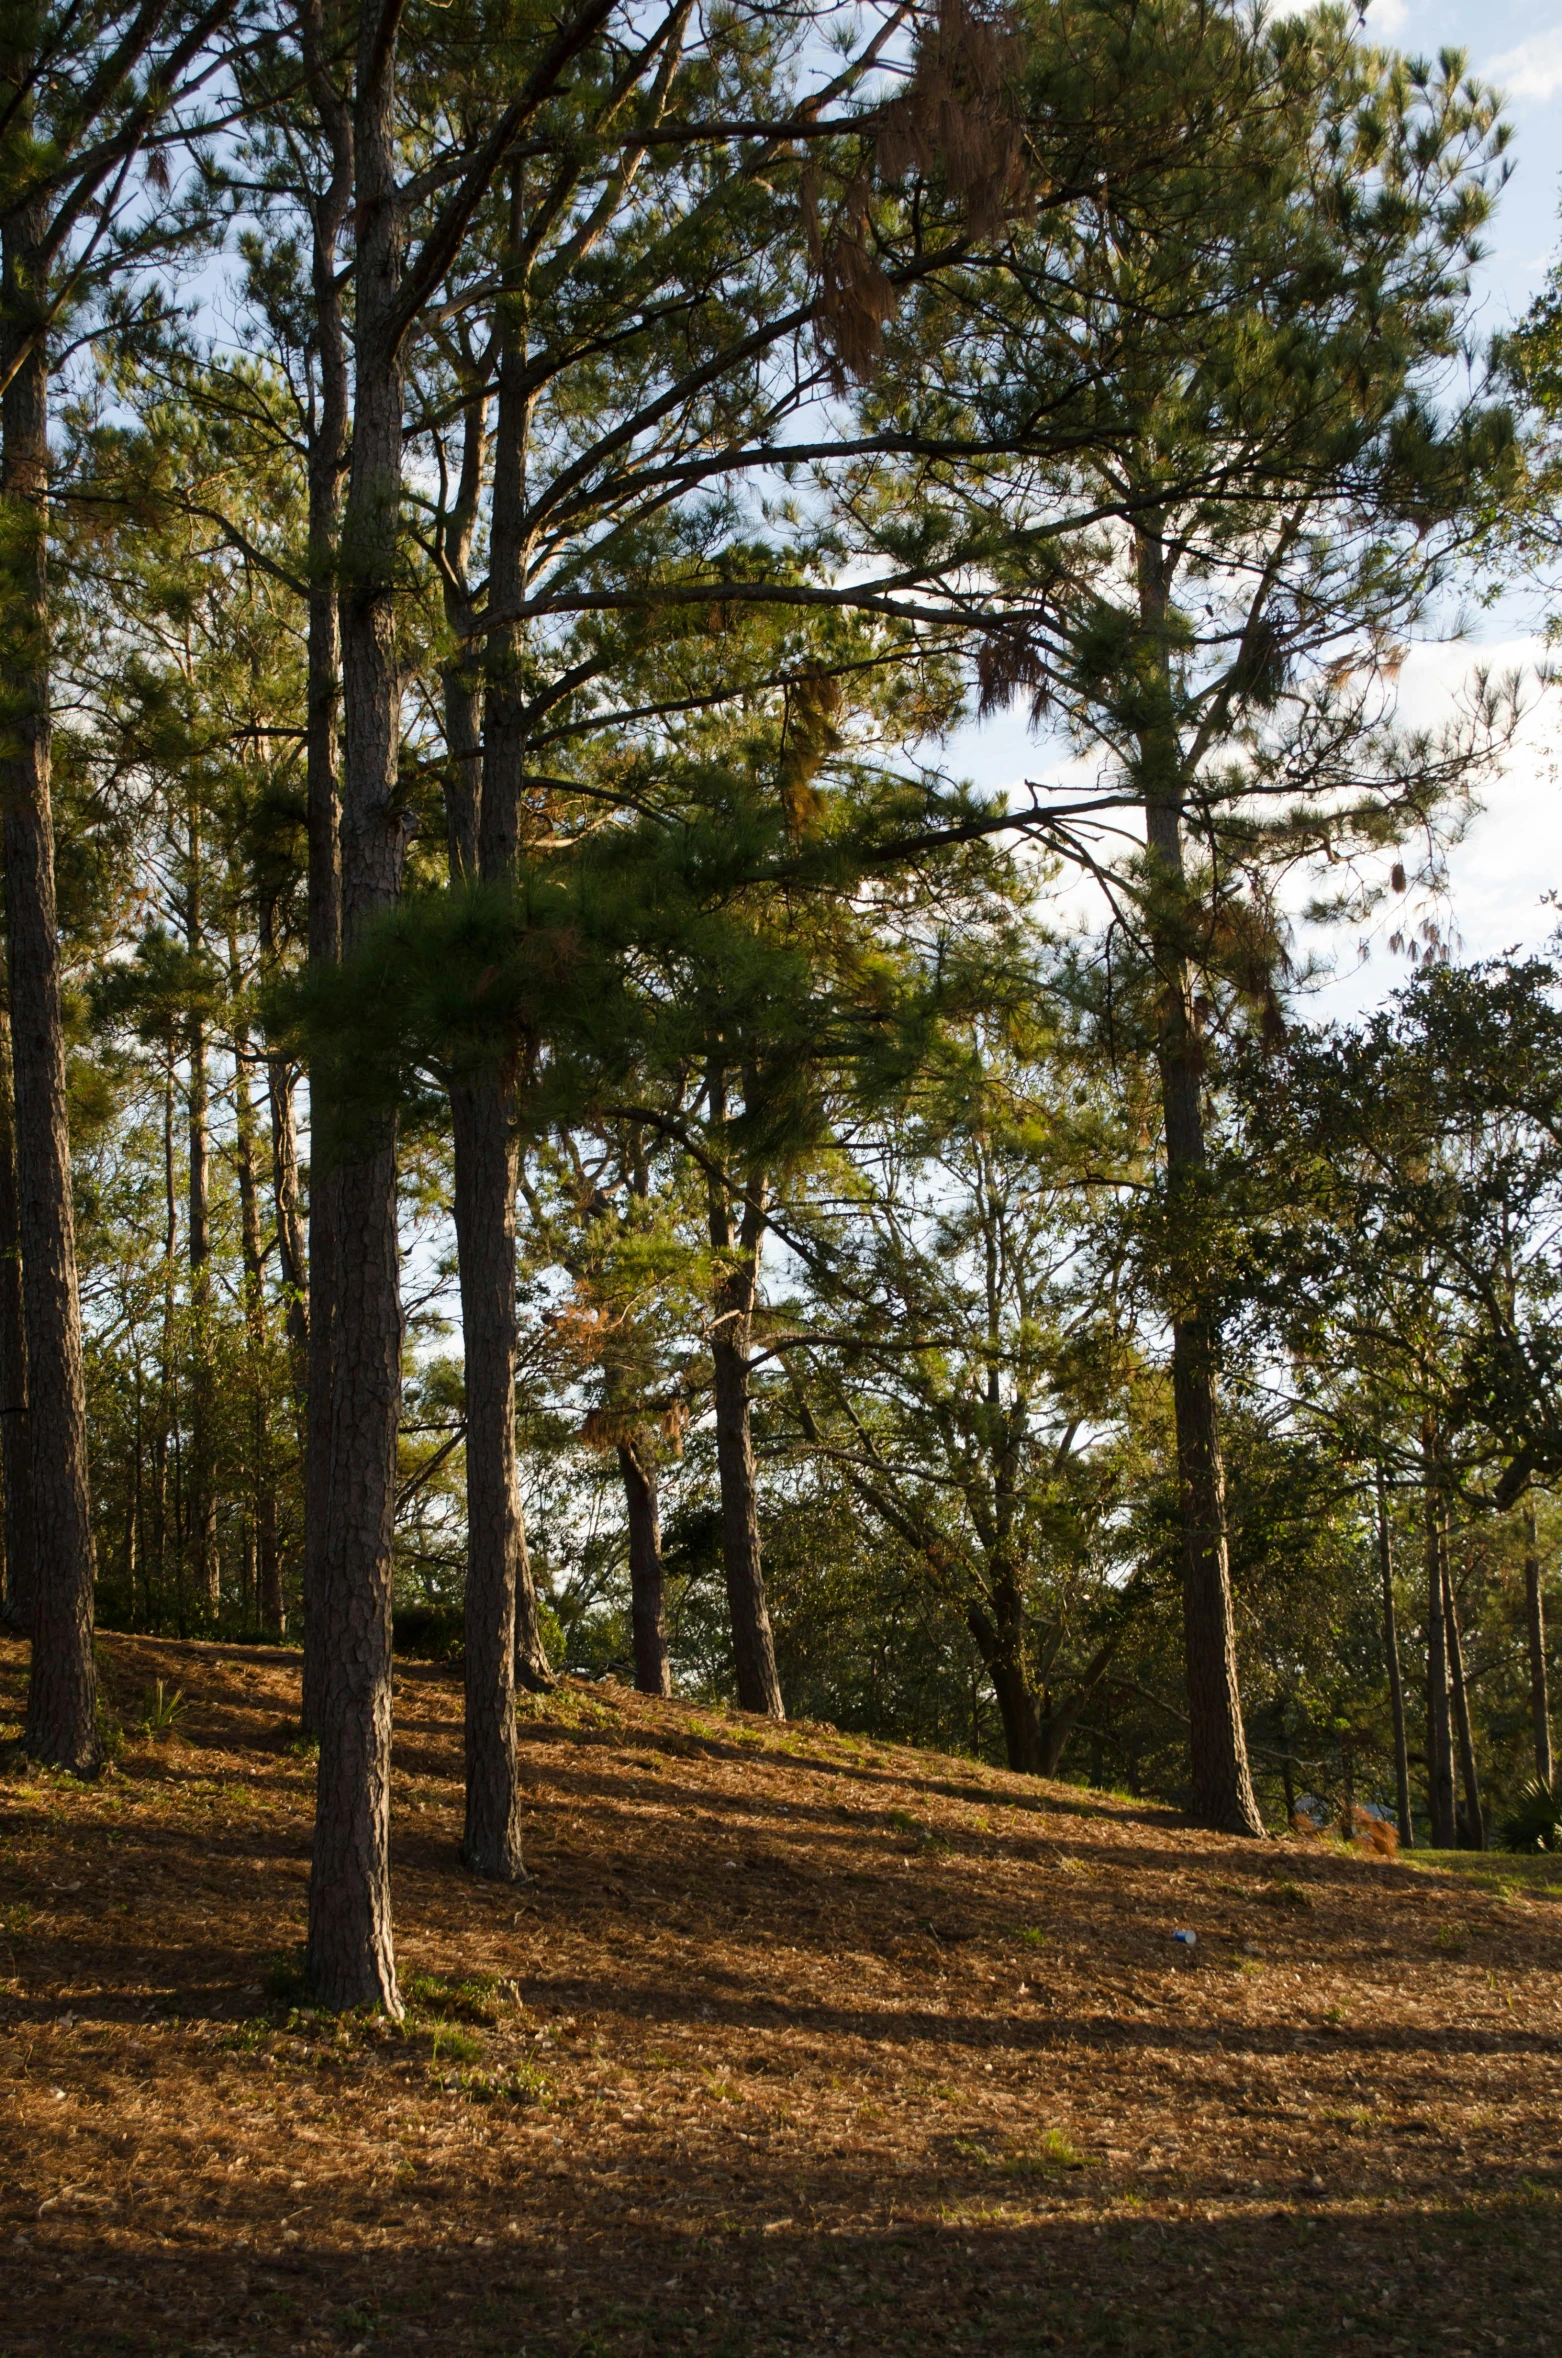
(795, 2043)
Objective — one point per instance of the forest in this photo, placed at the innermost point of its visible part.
(547, 1124)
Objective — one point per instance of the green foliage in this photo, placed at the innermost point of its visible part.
(1108, 366)
(161, 1711)
(1534, 1821)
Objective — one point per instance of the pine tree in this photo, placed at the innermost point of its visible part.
(87, 93)
(1215, 502)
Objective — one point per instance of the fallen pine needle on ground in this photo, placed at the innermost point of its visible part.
(795, 2042)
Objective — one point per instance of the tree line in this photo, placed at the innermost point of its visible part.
(537, 1104)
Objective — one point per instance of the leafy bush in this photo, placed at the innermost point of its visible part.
(1534, 1821)
(428, 1633)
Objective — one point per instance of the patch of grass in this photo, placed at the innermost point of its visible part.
(1285, 1893)
(363, 2320)
(1053, 2154)
(926, 1838)
(452, 2045)
(247, 2037)
(1452, 1939)
(474, 1999)
(1033, 1937)
(161, 1712)
(282, 1977)
(1537, 1875)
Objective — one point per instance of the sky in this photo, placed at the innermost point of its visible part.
(1510, 859)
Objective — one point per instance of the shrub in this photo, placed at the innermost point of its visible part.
(1535, 1819)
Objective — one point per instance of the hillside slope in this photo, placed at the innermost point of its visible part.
(795, 2043)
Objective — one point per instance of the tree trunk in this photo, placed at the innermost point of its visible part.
(1057, 1726)
(532, 1667)
(350, 1958)
(485, 1240)
(203, 1490)
(460, 681)
(482, 789)
(998, 1641)
(292, 1255)
(1396, 1686)
(753, 1643)
(736, 1287)
(501, 789)
(167, 1394)
(15, 1441)
(1439, 1727)
(62, 1689)
(267, 1573)
(1535, 1617)
(1474, 1816)
(327, 466)
(647, 1601)
(1223, 1793)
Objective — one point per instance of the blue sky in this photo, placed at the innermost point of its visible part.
(1511, 857)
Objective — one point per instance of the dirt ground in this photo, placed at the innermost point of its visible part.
(795, 2043)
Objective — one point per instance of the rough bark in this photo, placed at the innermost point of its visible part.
(350, 1958)
(1222, 1782)
(753, 1643)
(61, 1723)
(998, 1643)
(532, 1667)
(478, 786)
(327, 466)
(1475, 1819)
(1396, 1684)
(737, 1245)
(1439, 1725)
(647, 1593)
(349, 1954)
(266, 1573)
(1535, 1623)
(460, 680)
(292, 1252)
(167, 1398)
(485, 1240)
(501, 789)
(15, 1435)
(203, 1488)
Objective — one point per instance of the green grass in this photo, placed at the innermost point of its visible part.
(1534, 1873)
(476, 1999)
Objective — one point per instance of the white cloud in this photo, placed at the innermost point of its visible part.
(1533, 71)
(1386, 19)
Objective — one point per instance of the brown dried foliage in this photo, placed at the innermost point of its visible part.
(1008, 665)
(797, 2043)
(958, 120)
(957, 123)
